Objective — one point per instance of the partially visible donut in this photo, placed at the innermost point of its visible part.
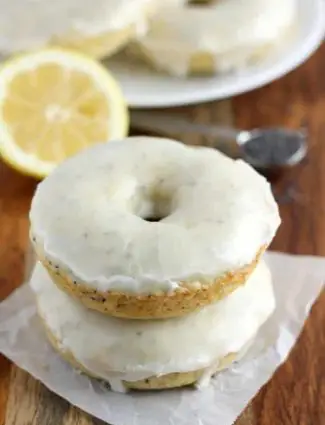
(92, 226)
(221, 36)
(154, 354)
(97, 28)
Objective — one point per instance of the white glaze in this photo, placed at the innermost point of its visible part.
(232, 31)
(87, 215)
(27, 24)
(120, 349)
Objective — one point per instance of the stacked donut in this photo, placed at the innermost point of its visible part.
(217, 37)
(180, 37)
(150, 273)
(98, 28)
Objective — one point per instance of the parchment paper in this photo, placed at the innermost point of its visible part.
(297, 283)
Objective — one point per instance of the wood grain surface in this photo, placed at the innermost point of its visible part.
(296, 393)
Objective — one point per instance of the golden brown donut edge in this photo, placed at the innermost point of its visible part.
(189, 297)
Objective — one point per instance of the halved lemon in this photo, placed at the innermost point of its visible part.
(54, 103)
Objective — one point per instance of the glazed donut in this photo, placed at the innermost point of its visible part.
(97, 29)
(150, 228)
(219, 37)
(154, 354)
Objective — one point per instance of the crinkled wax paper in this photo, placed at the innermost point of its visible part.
(297, 283)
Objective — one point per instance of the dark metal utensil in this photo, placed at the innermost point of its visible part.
(266, 149)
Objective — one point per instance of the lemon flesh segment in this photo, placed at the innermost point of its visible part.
(53, 104)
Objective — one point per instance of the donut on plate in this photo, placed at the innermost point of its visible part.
(154, 354)
(150, 228)
(221, 36)
(97, 28)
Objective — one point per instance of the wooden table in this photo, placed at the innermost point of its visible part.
(296, 394)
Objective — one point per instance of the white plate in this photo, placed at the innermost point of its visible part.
(145, 88)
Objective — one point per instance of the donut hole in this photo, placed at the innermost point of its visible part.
(158, 206)
(153, 219)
